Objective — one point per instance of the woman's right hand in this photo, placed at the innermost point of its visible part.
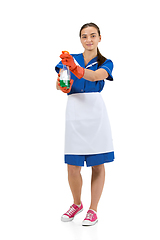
(63, 89)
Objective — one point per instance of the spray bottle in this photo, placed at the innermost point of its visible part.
(65, 75)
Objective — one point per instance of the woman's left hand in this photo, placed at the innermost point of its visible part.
(64, 89)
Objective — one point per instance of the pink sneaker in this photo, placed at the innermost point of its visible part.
(91, 218)
(71, 213)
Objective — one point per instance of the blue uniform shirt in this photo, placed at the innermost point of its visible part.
(82, 85)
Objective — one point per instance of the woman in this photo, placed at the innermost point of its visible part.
(88, 134)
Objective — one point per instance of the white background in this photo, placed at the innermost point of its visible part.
(34, 192)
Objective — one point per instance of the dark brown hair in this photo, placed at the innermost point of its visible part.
(100, 59)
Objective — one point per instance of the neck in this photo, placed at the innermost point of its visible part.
(89, 55)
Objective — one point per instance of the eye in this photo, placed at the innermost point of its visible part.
(84, 37)
(93, 36)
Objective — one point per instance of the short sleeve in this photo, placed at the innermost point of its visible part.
(108, 66)
(58, 66)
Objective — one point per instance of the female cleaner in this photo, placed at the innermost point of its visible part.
(88, 135)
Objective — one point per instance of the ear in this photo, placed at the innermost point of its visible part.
(100, 38)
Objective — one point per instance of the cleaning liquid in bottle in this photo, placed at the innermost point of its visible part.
(65, 75)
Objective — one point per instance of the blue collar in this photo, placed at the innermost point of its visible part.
(80, 59)
(92, 62)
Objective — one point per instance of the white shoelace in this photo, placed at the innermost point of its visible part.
(71, 211)
(89, 216)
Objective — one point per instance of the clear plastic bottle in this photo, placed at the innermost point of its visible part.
(65, 75)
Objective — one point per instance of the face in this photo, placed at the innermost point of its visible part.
(90, 38)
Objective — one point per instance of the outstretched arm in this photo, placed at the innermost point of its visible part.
(80, 72)
(97, 75)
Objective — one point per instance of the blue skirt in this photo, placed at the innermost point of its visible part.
(91, 160)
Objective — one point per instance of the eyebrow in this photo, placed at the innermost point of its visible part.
(86, 34)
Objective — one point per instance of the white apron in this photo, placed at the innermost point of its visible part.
(87, 125)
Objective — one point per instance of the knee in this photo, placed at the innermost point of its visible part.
(98, 169)
(73, 170)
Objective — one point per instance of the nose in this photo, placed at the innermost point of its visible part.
(88, 39)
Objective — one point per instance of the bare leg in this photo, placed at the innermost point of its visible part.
(97, 184)
(75, 182)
